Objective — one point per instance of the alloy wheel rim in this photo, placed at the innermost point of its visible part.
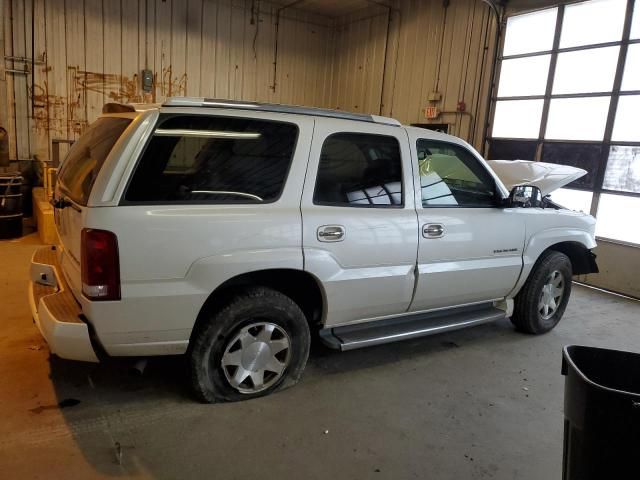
(551, 295)
(256, 357)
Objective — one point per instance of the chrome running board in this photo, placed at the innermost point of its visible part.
(367, 334)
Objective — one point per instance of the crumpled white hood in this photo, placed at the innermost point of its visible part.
(546, 176)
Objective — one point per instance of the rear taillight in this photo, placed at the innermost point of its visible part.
(100, 265)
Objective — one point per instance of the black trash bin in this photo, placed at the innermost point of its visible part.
(602, 414)
(10, 205)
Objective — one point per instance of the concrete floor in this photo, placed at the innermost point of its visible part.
(480, 403)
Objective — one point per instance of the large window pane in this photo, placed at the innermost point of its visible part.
(586, 71)
(597, 21)
(635, 25)
(523, 76)
(512, 150)
(517, 119)
(580, 155)
(623, 169)
(626, 127)
(615, 218)
(577, 118)
(577, 200)
(532, 32)
(631, 78)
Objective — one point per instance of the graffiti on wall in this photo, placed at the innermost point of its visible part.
(66, 116)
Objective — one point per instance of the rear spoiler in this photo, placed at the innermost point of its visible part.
(117, 108)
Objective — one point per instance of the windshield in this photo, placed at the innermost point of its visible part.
(86, 157)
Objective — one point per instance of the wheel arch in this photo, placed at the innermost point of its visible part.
(574, 243)
(582, 259)
(302, 287)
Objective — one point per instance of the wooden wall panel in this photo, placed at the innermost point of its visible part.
(375, 60)
(21, 28)
(92, 79)
(427, 48)
(112, 50)
(265, 42)
(209, 53)
(130, 64)
(76, 66)
(9, 78)
(162, 43)
(194, 46)
(223, 51)
(177, 77)
(359, 60)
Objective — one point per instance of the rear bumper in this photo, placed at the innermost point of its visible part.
(55, 310)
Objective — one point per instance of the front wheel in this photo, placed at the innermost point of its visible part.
(256, 344)
(540, 304)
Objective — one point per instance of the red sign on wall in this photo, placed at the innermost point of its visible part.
(431, 112)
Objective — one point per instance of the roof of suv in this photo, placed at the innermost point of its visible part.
(201, 102)
(275, 107)
(251, 106)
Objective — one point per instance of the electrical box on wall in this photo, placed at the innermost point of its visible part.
(435, 97)
(147, 80)
(431, 112)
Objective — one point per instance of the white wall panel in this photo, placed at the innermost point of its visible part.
(428, 48)
(375, 60)
(95, 50)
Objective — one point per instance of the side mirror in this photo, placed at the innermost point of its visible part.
(525, 196)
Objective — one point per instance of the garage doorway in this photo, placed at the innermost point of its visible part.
(568, 93)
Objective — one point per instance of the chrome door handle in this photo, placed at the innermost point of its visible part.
(331, 233)
(433, 230)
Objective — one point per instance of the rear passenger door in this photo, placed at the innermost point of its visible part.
(359, 220)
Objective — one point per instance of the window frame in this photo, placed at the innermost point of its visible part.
(361, 205)
(163, 117)
(614, 94)
(497, 194)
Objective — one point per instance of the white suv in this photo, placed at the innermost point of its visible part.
(229, 231)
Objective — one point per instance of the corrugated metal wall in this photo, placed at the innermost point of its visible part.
(378, 60)
(360, 60)
(428, 48)
(89, 52)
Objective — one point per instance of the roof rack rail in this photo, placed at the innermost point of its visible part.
(276, 108)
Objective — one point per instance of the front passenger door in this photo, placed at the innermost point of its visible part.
(470, 248)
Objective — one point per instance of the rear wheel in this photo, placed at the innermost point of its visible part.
(540, 304)
(256, 344)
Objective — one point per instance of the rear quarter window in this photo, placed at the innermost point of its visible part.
(209, 159)
(87, 155)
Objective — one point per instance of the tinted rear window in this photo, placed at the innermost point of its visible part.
(86, 157)
(359, 170)
(206, 159)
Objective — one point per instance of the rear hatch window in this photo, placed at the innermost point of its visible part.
(86, 157)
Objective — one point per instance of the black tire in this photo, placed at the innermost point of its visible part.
(213, 334)
(526, 316)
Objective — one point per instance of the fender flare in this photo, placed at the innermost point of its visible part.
(561, 238)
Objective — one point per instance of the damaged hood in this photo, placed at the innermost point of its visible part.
(546, 176)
